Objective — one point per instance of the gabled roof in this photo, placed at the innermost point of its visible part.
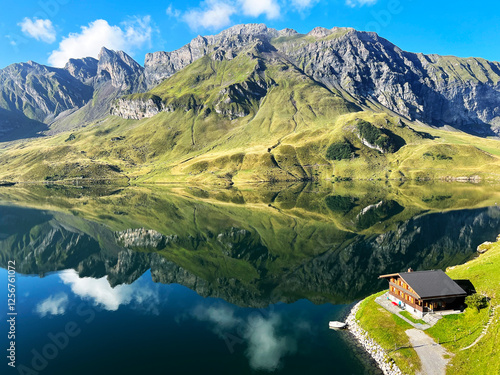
(427, 284)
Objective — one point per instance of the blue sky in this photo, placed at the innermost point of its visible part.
(51, 31)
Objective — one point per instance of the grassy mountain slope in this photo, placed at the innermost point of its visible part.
(252, 116)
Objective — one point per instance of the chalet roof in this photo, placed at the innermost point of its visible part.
(429, 284)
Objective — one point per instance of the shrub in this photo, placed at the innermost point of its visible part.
(476, 301)
(443, 157)
(339, 151)
(375, 136)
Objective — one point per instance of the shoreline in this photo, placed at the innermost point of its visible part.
(384, 362)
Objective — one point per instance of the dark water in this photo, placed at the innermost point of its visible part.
(239, 281)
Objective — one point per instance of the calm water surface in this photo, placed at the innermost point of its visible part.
(198, 281)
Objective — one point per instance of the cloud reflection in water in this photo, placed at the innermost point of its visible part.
(102, 294)
(53, 305)
(265, 345)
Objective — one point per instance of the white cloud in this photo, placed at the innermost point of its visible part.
(54, 305)
(102, 294)
(213, 14)
(354, 3)
(265, 347)
(216, 14)
(39, 29)
(131, 35)
(301, 5)
(255, 8)
(172, 12)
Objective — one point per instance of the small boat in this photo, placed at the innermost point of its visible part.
(337, 325)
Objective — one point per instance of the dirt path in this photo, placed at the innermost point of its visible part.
(431, 354)
(485, 330)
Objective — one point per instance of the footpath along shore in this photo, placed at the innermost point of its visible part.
(384, 362)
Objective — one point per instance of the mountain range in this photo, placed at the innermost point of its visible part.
(251, 104)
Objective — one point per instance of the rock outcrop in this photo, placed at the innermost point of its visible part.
(137, 109)
(120, 69)
(82, 69)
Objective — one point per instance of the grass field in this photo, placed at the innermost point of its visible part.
(484, 357)
(388, 331)
(454, 332)
(410, 317)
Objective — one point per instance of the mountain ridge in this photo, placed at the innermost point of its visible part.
(256, 104)
(437, 90)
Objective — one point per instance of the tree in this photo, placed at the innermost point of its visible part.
(339, 151)
(476, 301)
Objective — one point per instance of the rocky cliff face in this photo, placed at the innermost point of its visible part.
(113, 75)
(161, 65)
(437, 90)
(82, 69)
(80, 93)
(137, 109)
(120, 69)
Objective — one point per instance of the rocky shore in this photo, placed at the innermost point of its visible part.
(384, 362)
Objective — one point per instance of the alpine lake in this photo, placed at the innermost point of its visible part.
(177, 279)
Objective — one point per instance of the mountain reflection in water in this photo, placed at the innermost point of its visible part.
(281, 245)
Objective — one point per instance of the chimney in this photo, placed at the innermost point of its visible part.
(410, 269)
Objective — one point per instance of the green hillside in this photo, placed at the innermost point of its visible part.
(250, 117)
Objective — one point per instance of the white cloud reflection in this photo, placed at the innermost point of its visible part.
(53, 305)
(102, 294)
(265, 345)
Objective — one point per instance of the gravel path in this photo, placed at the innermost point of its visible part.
(431, 354)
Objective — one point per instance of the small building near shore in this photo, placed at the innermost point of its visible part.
(421, 292)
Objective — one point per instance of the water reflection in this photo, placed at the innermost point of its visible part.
(266, 345)
(324, 244)
(53, 305)
(232, 280)
(101, 294)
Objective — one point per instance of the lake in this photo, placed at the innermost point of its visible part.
(198, 280)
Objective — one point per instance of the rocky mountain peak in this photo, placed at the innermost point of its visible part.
(319, 32)
(249, 29)
(118, 67)
(161, 65)
(82, 69)
(287, 32)
(437, 90)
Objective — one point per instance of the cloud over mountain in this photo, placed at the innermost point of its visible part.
(129, 36)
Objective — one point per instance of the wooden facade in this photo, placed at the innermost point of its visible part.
(403, 292)
(406, 294)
